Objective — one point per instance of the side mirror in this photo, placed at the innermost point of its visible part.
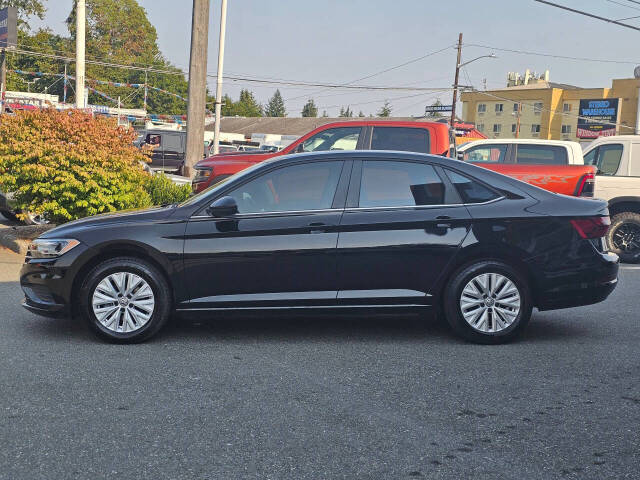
(461, 156)
(223, 207)
(299, 148)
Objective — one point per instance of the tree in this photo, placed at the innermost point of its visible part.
(247, 106)
(275, 106)
(345, 113)
(325, 114)
(385, 111)
(310, 109)
(120, 32)
(360, 114)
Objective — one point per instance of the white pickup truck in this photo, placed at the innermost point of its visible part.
(617, 160)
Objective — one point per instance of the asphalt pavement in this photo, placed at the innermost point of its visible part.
(322, 398)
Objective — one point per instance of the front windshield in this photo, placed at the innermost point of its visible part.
(213, 188)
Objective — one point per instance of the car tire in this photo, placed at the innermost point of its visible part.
(125, 300)
(481, 305)
(624, 225)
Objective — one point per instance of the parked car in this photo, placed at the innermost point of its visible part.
(169, 147)
(421, 137)
(557, 166)
(617, 160)
(333, 230)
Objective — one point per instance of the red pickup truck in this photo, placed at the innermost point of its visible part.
(422, 137)
(559, 169)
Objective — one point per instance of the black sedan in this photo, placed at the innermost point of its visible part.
(338, 230)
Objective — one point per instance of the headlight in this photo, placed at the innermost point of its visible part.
(202, 174)
(46, 248)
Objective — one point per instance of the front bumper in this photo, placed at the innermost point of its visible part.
(47, 283)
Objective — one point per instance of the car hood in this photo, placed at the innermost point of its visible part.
(107, 219)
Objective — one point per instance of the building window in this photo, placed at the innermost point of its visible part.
(537, 108)
(499, 107)
(566, 129)
(480, 127)
(482, 107)
(497, 128)
(514, 128)
(566, 107)
(515, 107)
(535, 128)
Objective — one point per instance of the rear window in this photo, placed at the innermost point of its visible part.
(471, 191)
(400, 138)
(541, 155)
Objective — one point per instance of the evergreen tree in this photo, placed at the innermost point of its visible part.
(325, 114)
(360, 114)
(275, 106)
(345, 113)
(247, 106)
(385, 111)
(310, 109)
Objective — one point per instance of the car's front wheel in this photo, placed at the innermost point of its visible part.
(488, 302)
(125, 300)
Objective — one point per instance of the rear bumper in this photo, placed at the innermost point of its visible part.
(591, 283)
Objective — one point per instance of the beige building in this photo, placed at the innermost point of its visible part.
(534, 107)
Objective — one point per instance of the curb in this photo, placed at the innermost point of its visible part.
(17, 238)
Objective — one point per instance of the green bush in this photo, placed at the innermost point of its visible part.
(69, 164)
(162, 190)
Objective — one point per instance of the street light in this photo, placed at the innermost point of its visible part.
(457, 77)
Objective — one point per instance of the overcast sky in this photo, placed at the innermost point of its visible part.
(338, 41)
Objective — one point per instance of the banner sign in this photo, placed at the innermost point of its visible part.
(8, 27)
(598, 118)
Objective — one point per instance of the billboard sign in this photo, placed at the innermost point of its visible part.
(598, 118)
(8, 27)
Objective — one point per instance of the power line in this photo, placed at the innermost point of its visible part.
(623, 4)
(587, 14)
(366, 77)
(551, 55)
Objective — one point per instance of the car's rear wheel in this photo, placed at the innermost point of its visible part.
(488, 302)
(125, 300)
(623, 236)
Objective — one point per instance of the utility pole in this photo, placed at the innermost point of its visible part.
(81, 22)
(197, 85)
(518, 112)
(223, 27)
(455, 83)
(3, 78)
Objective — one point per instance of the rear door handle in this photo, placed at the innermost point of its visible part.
(443, 225)
(316, 227)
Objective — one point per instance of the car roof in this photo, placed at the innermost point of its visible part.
(523, 141)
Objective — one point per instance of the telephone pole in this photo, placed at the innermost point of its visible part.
(455, 83)
(223, 27)
(518, 113)
(3, 78)
(197, 85)
(81, 22)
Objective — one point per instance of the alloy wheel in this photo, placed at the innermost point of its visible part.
(123, 302)
(626, 238)
(490, 302)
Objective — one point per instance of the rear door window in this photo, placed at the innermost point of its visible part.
(173, 143)
(400, 184)
(486, 154)
(405, 139)
(541, 155)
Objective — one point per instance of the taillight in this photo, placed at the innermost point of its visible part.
(586, 185)
(592, 227)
